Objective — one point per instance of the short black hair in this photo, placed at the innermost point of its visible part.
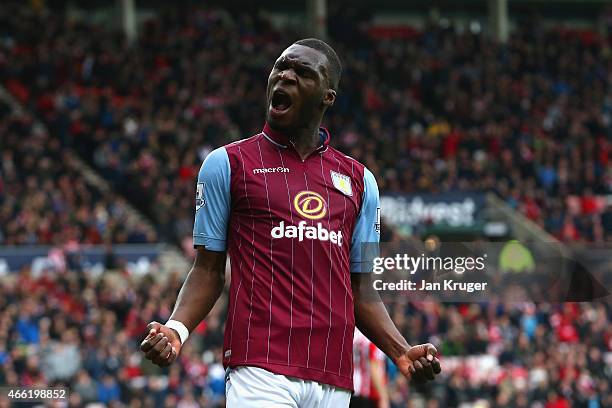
(335, 67)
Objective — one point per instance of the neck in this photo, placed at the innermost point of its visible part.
(306, 140)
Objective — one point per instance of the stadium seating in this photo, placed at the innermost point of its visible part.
(442, 110)
(44, 199)
(542, 353)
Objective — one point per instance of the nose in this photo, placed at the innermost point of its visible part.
(287, 75)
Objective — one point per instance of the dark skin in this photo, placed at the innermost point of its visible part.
(419, 362)
(302, 75)
(200, 292)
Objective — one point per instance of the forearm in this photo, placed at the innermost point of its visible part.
(374, 322)
(372, 318)
(199, 293)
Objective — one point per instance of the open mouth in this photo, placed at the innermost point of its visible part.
(281, 101)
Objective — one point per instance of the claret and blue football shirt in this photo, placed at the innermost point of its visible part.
(292, 229)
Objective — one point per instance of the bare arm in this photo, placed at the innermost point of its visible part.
(371, 317)
(198, 295)
(201, 289)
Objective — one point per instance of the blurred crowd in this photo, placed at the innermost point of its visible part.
(145, 117)
(82, 332)
(427, 111)
(436, 110)
(44, 197)
(70, 329)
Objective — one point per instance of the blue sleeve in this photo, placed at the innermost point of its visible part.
(367, 228)
(213, 202)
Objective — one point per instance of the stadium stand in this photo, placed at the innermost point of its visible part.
(530, 120)
(521, 354)
(438, 111)
(45, 200)
(131, 111)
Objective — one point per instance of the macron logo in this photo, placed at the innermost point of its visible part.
(309, 232)
(271, 170)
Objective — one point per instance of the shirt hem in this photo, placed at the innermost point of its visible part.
(212, 244)
(303, 373)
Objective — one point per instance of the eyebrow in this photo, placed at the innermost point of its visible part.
(302, 64)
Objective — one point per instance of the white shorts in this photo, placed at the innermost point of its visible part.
(253, 387)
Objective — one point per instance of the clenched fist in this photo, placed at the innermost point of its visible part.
(419, 363)
(162, 344)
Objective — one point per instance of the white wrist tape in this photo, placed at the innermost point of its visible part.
(180, 328)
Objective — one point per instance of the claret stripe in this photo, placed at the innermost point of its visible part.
(331, 265)
(271, 254)
(246, 193)
(291, 301)
(292, 253)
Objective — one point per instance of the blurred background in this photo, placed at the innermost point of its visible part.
(481, 120)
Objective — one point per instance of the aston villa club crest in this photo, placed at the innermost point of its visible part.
(200, 201)
(342, 183)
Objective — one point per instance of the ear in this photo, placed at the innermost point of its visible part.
(329, 98)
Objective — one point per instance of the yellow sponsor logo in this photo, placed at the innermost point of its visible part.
(310, 205)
